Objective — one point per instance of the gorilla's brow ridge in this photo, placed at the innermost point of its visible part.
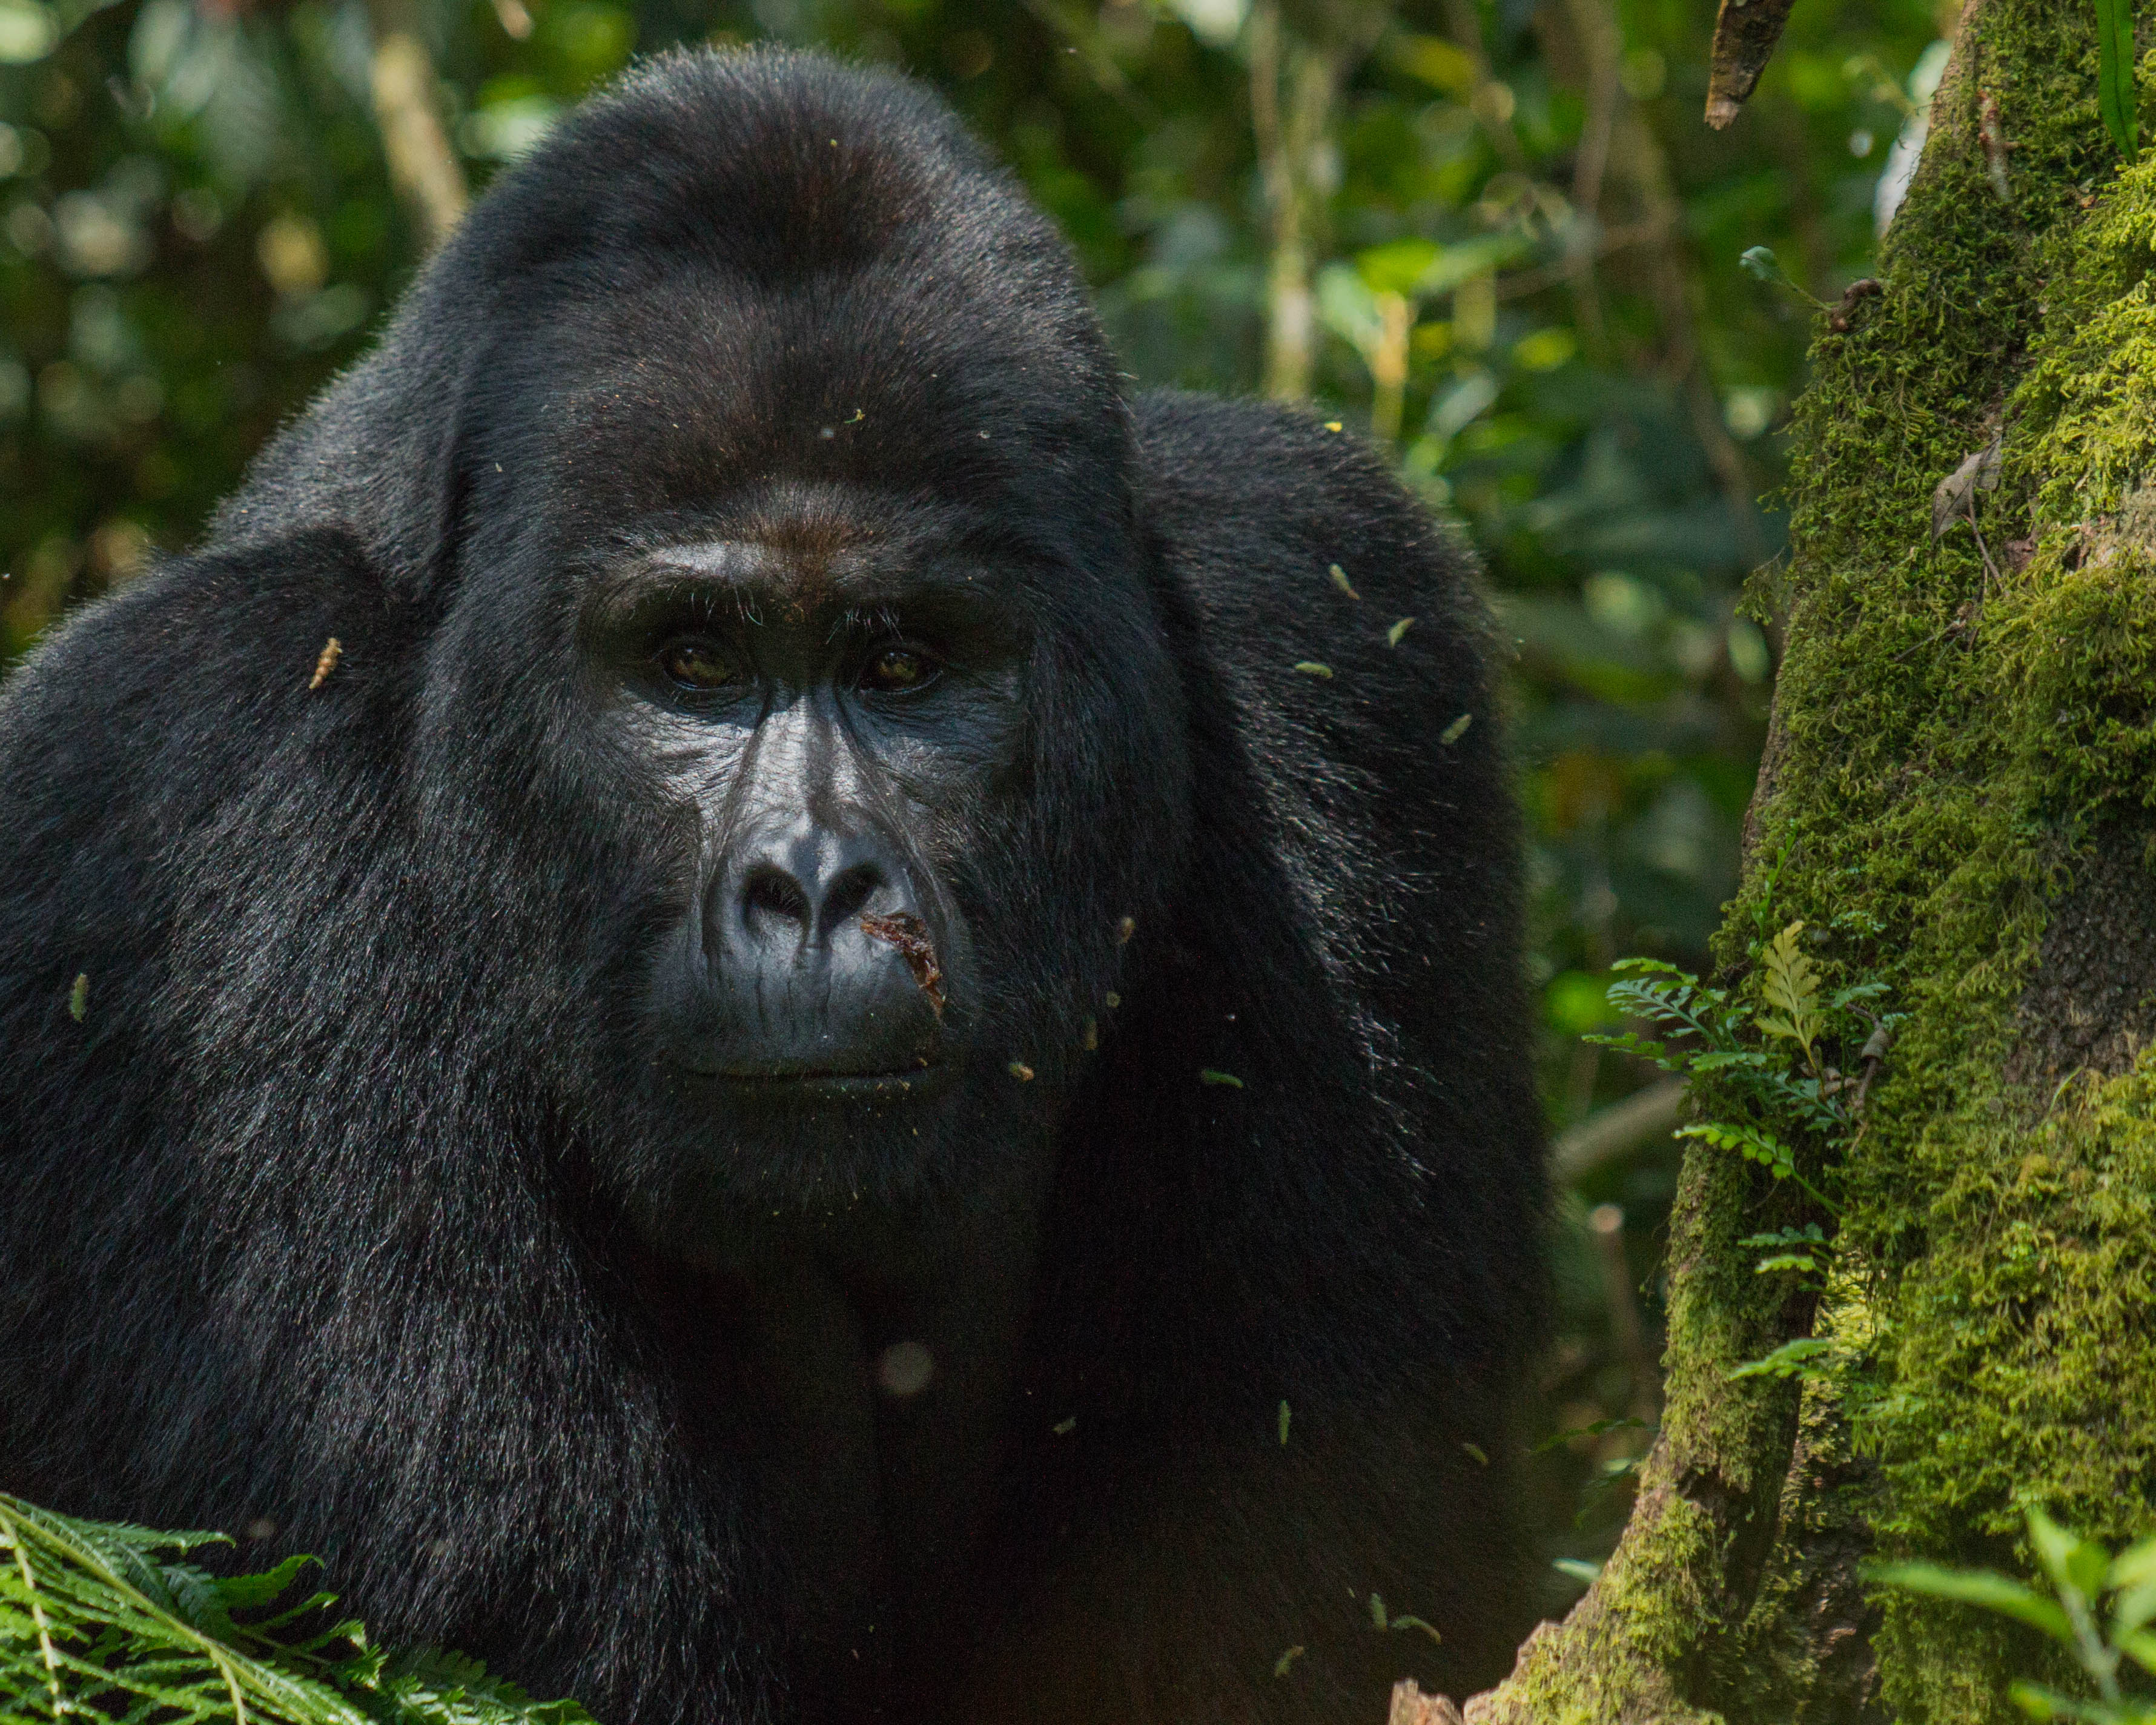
(744, 572)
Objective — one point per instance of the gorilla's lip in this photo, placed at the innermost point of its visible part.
(780, 1083)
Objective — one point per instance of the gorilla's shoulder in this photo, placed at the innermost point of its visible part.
(1296, 542)
(129, 726)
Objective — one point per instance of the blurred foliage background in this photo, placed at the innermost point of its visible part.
(1494, 234)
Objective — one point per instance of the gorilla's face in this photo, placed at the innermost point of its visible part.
(826, 701)
(835, 715)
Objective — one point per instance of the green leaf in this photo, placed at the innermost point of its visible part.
(248, 1593)
(1652, 966)
(1755, 1143)
(1790, 987)
(1720, 1059)
(1791, 1359)
(2114, 77)
(2133, 1577)
(1559, 1439)
(2040, 1701)
(1207, 1076)
(1977, 1587)
(2138, 1646)
(2071, 1560)
(1810, 1235)
(2135, 1566)
(106, 1619)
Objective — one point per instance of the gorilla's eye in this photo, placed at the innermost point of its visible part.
(697, 664)
(898, 670)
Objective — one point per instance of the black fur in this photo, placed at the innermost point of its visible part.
(349, 1207)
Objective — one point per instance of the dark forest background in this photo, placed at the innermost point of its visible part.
(1518, 246)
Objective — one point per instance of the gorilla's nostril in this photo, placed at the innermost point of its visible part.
(849, 894)
(771, 891)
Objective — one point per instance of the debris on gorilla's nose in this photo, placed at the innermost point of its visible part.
(908, 932)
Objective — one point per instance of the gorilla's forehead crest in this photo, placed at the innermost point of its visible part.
(734, 268)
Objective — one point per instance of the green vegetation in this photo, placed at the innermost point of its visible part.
(102, 1620)
(2084, 1577)
(1957, 797)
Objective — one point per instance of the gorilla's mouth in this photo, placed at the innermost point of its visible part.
(783, 1084)
(841, 1083)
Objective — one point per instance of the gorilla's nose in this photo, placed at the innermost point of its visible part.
(823, 958)
(802, 898)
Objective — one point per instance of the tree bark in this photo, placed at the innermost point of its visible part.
(1958, 802)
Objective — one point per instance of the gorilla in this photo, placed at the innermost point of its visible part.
(773, 1007)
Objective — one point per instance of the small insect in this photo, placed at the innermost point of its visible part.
(332, 651)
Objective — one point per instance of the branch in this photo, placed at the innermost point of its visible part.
(1616, 1131)
(422, 167)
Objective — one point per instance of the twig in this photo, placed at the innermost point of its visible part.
(422, 167)
(1548, 275)
(1287, 140)
(1484, 99)
(1614, 1130)
(1990, 569)
(1602, 40)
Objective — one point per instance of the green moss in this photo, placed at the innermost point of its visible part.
(1621, 1656)
(1954, 731)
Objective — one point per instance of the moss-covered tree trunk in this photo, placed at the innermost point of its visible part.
(1960, 792)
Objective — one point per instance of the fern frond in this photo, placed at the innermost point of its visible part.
(102, 1619)
(1791, 987)
(1755, 1143)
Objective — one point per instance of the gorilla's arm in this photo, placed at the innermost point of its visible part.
(1352, 1227)
(271, 1223)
